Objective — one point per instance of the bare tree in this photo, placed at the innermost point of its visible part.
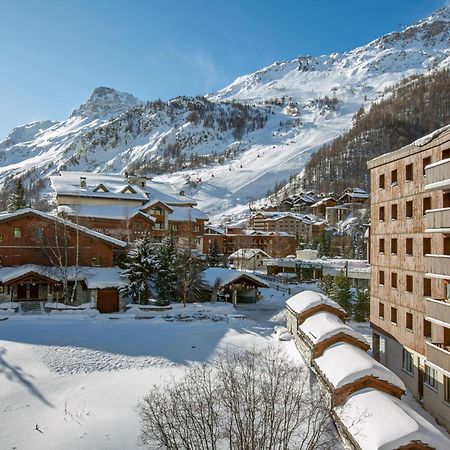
(246, 400)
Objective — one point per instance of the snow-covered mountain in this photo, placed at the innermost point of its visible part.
(228, 149)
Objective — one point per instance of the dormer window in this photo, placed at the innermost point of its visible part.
(101, 188)
(128, 189)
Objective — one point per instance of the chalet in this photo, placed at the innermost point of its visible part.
(354, 198)
(231, 285)
(248, 258)
(319, 208)
(128, 207)
(39, 253)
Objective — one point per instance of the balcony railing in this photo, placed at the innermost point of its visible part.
(437, 220)
(438, 175)
(438, 354)
(439, 310)
(438, 264)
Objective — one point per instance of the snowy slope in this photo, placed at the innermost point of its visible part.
(285, 112)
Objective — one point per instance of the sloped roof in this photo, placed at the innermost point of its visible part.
(23, 212)
(306, 300)
(379, 421)
(184, 213)
(228, 276)
(248, 253)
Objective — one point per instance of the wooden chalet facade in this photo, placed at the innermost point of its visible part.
(39, 253)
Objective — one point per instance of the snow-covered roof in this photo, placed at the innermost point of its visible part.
(185, 213)
(323, 325)
(323, 201)
(84, 230)
(68, 184)
(94, 277)
(305, 300)
(110, 211)
(248, 253)
(227, 276)
(379, 421)
(163, 191)
(343, 364)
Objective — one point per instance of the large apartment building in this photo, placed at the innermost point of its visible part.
(410, 258)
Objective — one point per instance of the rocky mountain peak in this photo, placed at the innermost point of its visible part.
(106, 102)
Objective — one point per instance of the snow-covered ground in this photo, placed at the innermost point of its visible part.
(78, 378)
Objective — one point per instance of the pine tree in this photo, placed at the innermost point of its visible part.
(214, 257)
(327, 284)
(165, 271)
(188, 276)
(139, 268)
(324, 246)
(17, 200)
(341, 292)
(362, 305)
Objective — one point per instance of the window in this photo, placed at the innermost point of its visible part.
(196, 228)
(407, 362)
(409, 321)
(446, 153)
(446, 388)
(409, 172)
(1, 237)
(394, 315)
(394, 280)
(426, 328)
(381, 245)
(409, 283)
(174, 227)
(446, 200)
(381, 181)
(381, 310)
(426, 246)
(158, 226)
(409, 246)
(96, 261)
(381, 277)
(427, 287)
(409, 209)
(394, 177)
(394, 211)
(381, 213)
(425, 162)
(426, 205)
(431, 377)
(17, 232)
(394, 246)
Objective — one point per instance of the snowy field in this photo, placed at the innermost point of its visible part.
(78, 378)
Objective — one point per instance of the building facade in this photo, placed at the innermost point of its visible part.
(410, 259)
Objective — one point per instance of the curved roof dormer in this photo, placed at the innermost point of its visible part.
(308, 303)
(347, 369)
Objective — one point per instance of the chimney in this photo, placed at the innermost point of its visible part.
(83, 182)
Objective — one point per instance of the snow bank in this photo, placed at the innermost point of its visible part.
(379, 421)
(344, 363)
(309, 299)
(324, 325)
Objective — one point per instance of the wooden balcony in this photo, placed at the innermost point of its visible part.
(437, 220)
(439, 310)
(438, 175)
(438, 265)
(438, 354)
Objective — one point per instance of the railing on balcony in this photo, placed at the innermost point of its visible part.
(438, 310)
(437, 220)
(438, 264)
(438, 175)
(438, 354)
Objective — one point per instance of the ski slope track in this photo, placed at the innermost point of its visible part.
(294, 107)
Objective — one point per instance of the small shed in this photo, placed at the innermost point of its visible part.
(231, 285)
(248, 258)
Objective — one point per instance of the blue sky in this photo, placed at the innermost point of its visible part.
(53, 53)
